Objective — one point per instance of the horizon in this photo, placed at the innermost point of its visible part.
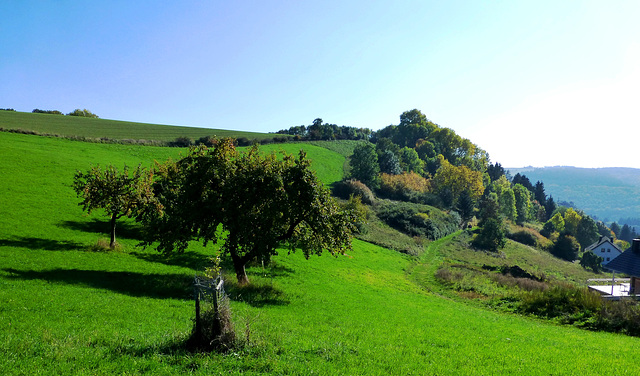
(532, 83)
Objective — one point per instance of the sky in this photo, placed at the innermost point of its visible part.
(534, 83)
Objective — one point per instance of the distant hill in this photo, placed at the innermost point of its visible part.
(607, 193)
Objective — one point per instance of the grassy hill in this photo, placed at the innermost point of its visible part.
(112, 129)
(608, 193)
(67, 310)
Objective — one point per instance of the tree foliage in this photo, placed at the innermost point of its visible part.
(82, 113)
(591, 261)
(254, 202)
(566, 247)
(364, 164)
(454, 180)
(116, 192)
(492, 235)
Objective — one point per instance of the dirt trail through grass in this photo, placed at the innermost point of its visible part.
(422, 271)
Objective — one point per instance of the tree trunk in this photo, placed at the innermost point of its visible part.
(238, 265)
(112, 244)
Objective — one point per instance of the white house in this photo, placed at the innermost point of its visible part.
(605, 249)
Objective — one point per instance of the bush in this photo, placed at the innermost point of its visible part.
(352, 187)
(181, 142)
(403, 186)
(51, 112)
(418, 220)
(523, 237)
(82, 113)
(491, 236)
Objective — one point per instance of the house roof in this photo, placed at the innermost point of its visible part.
(603, 239)
(628, 262)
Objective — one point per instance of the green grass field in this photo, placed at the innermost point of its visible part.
(66, 310)
(112, 129)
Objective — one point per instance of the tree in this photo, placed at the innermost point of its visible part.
(495, 171)
(364, 164)
(506, 197)
(410, 161)
(550, 206)
(116, 192)
(566, 248)
(491, 236)
(571, 221)
(591, 261)
(254, 202)
(539, 194)
(615, 228)
(523, 203)
(389, 163)
(454, 180)
(82, 113)
(587, 232)
(466, 205)
(558, 222)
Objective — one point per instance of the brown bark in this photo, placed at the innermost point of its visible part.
(112, 244)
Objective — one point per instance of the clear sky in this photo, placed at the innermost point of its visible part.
(538, 83)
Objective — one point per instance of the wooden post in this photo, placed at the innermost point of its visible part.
(196, 292)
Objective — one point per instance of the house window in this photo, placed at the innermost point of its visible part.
(608, 258)
(608, 250)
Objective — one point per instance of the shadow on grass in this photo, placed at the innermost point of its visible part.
(126, 230)
(256, 294)
(42, 244)
(193, 260)
(159, 286)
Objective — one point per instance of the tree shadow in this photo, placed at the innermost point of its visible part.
(256, 294)
(126, 230)
(41, 244)
(158, 286)
(192, 260)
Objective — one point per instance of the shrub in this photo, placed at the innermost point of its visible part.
(82, 113)
(523, 237)
(566, 248)
(356, 188)
(181, 142)
(491, 236)
(418, 220)
(564, 302)
(51, 112)
(403, 186)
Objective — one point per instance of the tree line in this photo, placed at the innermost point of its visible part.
(76, 112)
(419, 161)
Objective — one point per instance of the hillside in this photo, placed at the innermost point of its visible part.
(73, 126)
(608, 193)
(67, 310)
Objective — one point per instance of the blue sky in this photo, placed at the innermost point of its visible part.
(536, 83)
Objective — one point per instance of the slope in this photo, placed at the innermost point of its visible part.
(66, 310)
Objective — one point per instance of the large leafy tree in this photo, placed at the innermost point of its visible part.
(523, 203)
(454, 180)
(587, 232)
(364, 164)
(118, 193)
(254, 202)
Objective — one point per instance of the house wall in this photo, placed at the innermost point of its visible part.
(607, 251)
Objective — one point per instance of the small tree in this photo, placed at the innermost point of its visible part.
(364, 165)
(491, 236)
(82, 113)
(116, 192)
(566, 247)
(591, 261)
(258, 201)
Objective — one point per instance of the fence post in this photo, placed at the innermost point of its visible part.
(196, 292)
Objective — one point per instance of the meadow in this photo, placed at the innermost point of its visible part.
(69, 310)
(73, 126)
